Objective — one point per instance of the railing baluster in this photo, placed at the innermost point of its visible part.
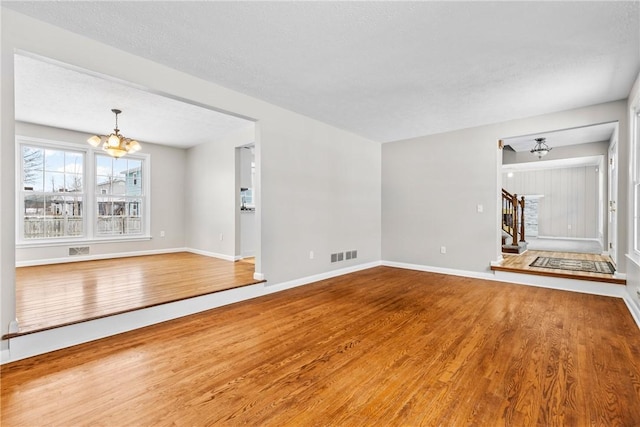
(522, 239)
(514, 213)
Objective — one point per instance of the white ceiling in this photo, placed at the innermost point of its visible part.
(384, 70)
(53, 95)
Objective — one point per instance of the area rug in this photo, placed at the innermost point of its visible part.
(604, 267)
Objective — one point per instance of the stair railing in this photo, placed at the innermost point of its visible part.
(513, 216)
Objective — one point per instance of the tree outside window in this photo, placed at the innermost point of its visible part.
(52, 192)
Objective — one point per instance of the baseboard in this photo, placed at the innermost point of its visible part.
(317, 277)
(5, 356)
(96, 257)
(587, 239)
(441, 270)
(633, 307)
(213, 254)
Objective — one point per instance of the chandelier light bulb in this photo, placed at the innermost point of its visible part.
(115, 144)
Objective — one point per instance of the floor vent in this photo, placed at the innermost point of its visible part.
(82, 250)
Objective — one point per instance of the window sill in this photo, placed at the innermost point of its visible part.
(69, 242)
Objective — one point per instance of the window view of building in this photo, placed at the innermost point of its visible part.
(119, 195)
(52, 192)
(55, 185)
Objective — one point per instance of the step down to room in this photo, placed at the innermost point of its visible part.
(591, 277)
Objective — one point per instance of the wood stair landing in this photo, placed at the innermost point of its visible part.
(520, 264)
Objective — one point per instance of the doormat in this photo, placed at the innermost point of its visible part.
(604, 267)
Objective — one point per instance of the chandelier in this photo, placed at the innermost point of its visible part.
(541, 149)
(115, 144)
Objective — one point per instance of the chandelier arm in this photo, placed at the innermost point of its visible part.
(108, 142)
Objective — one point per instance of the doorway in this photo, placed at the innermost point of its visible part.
(245, 188)
(566, 187)
(181, 180)
(613, 198)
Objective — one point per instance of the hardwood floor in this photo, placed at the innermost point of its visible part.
(520, 264)
(383, 346)
(48, 296)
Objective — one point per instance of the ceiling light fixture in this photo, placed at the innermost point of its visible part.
(115, 144)
(541, 149)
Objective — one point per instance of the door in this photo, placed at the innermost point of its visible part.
(613, 199)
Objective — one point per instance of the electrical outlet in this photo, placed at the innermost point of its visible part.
(443, 249)
(480, 208)
(162, 233)
(221, 237)
(311, 255)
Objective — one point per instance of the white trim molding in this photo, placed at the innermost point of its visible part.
(213, 254)
(430, 269)
(95, 257)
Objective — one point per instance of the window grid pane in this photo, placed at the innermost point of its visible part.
(119, 196)
(119, 216)
(52, 199)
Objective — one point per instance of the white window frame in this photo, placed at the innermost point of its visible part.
(145, 169)
(635, 178)
(90, 206)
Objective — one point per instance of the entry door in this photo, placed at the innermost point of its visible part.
(613, 199)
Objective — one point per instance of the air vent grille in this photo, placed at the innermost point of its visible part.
(81, 250)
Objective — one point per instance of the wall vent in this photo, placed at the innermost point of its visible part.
(341, 256)
(81, 250)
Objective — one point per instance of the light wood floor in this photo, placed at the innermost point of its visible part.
(383, 346)
(520, 264)
(48, 296)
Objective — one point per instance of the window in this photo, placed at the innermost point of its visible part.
(52, 192)
(120, 200)
(68, 193)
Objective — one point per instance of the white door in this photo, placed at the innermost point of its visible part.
(613, 199)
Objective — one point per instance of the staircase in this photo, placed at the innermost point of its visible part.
(513, 240)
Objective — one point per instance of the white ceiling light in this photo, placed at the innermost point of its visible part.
(115, 144)
(541, 149)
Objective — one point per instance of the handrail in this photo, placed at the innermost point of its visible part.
(513, 216)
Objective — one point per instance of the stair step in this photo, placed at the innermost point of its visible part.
(514, 249)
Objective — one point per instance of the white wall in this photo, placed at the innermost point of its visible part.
(211, 194)
(569, 206)
(431, 187)
(167, 201)
(320, 193)
(320, 186)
